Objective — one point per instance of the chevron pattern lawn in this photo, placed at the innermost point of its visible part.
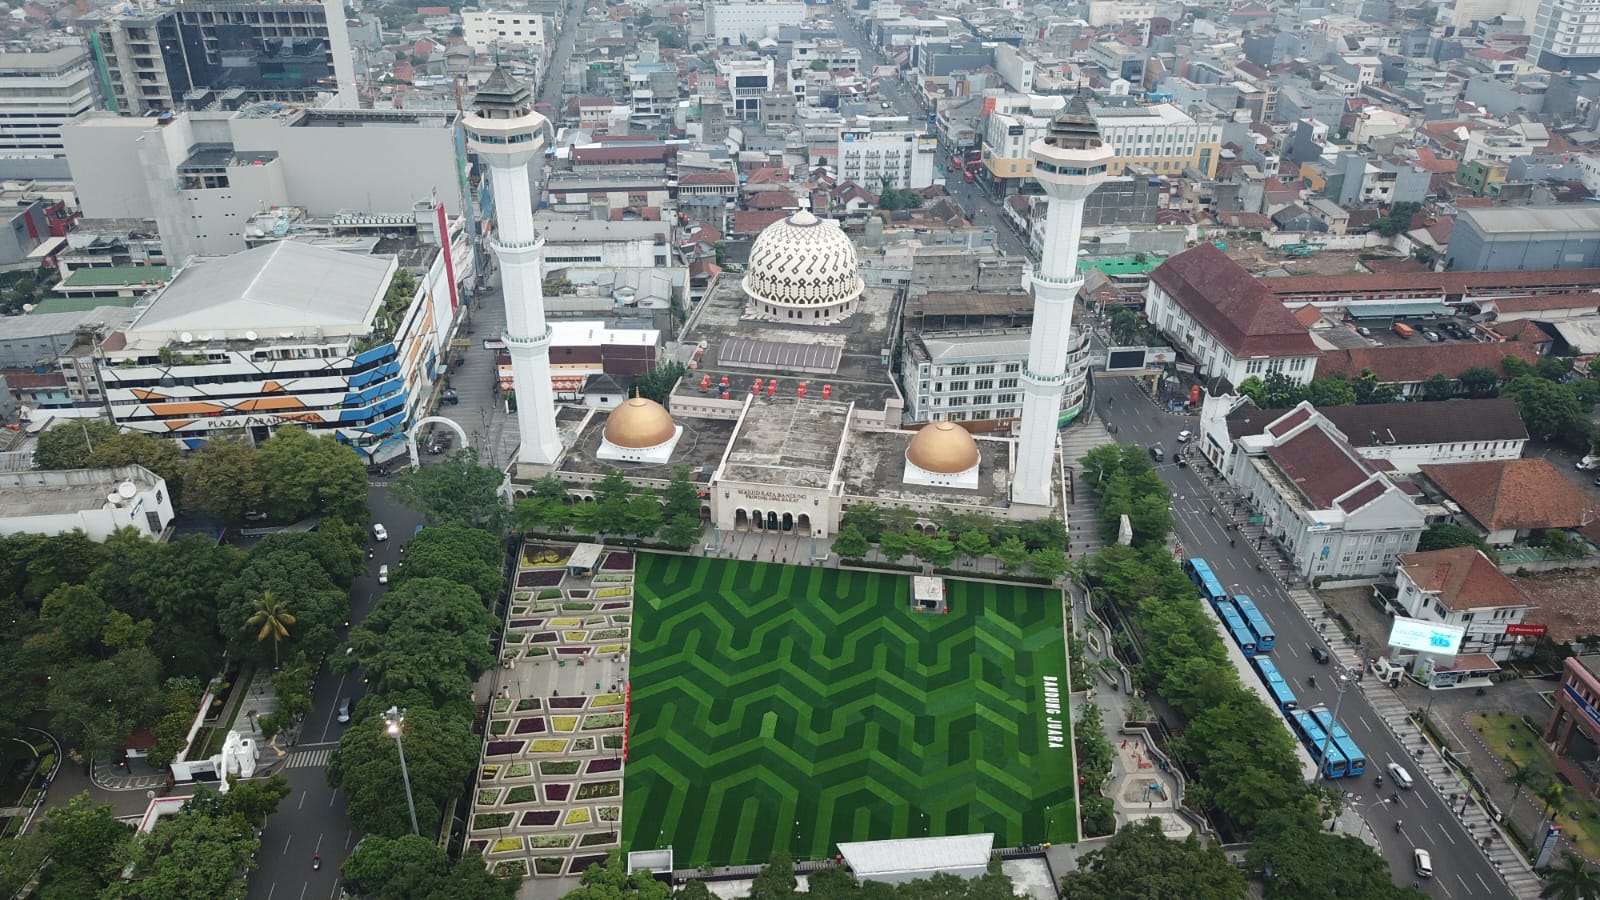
(790, 708)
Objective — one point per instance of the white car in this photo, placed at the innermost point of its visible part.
(1422, 861)
(1184, 435)
(379, 533)
(1399, 775)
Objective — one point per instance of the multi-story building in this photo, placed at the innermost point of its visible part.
(1160, 137)
(486, 28)
(1464, 588)
(1227, 322)
(1007, 164)
(203, 52)
(749, 82)
(288, 333)
(1510, 238)
(586, 243)
(1334, 513)
(202, 176)
(39, 93)
(742, 21)
(25, 212)
(1566, 36)
(970, 376)
(873, 154)
(1573, 730)
(97, 502)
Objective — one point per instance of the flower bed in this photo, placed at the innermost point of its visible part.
(503, 748)
(479, 846)
(595, 620)
(507, 844)
(517, 637)
(582, 744)
(576, 607)
(589, 790)
(512, 868)
(532, 652)
(541, 579)
(609, 813)
(550, 594)
(523, 793)
(548, 745)
(491, 820)
(546, 866)
(581, 864)
(572, 651)
(487, 796)
(487, 773)
(527, 623)
(597, 766)
(610, 648)
(501, 706)
(579, 816)
(613, 579)
(617, 560)
(575, 637)
(549, 841)
(606, 593)
(557, 793)
(558, 767)
(608, 634)
(611, 741)
(519, 770)
(568, 702)
(577, 594)
(528, 703)
(604, 720)
(538, 555)
(542, 818)
(543, 637)
(565, 723)
(499, 727)
(606, 700)
(531, 725)
(566, 622)
(596, 838)
(607, 606)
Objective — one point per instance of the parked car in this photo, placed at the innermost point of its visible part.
(254, 516)
(451, 397)
(1184, 435)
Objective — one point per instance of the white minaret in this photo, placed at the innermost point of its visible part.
(507, 135)
(1069, 162)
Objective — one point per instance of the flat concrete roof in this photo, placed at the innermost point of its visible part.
(61, 492)
(875, 466)
(700, 448)
(788, 441)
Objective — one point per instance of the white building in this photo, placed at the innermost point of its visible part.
(202, 176)
(742, 21)
(486, 28)
(1566, 36)
(573, 242)
(40, 92)
(1336, 514)
(902, 156)
(1464, 588)
(1160, 137)
(973, 377)
(749, 82)
(97, 502)
(288, 333)
(1015, 66)
(1225, 320)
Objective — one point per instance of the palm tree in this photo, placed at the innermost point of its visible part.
(1571, 879)
(1519, 777)
(273, 617)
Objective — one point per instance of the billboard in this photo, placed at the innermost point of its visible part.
(1426, 637)
(1527, 630)
(1123, 359)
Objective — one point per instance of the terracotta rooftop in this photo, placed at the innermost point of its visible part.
(1231, 304)
(1516, 494)
(1462, 578)
(752, 221)
(1586, 300)
(705, 178)
(1321, 467)
(1413, 363)
(1447, 283)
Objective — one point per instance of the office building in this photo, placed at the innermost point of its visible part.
(486, 29)
(97, 502)
(743, 21)
(874, 153)
(1161, 138)
(39, 93)
(1566, 36)
(1511, 238)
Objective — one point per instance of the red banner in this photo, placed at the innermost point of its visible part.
(1532, 630)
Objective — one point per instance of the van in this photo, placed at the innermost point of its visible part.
(1404, 330)
(344, 711)
(1156, 453)
(1422, 861)
(383, 574)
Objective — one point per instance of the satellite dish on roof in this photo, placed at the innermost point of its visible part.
(186, 337)
(114, 498)
(127, 490)
(250, 335)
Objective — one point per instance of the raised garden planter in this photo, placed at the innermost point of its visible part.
(605, 606)
(558, 767)
(583, 743)
(595, 620)
(531, 725)
(487, 796)
(541, 579)
(608, 634)
(566, 622)
(578, 593)
(575, 637)
(487, 821)
(503, 748)
(516, 637)
(548, 745)
(549, 841)
(575, 606)
(501, 706)
(527, 623)
(611, 741)
(542, 818)
(581, 864)
(511, 868)
(617, 560)
(589, 790)
(597, 766)
(499, 727)
(572, 651)
(597, 838)
(606, 700)
(568, 702)
(523, 793)
(609, 813)
(479, 846)
(613, 579)
(550, 594)
(565, 723)
(519, 770)
(543, 637)
(507, 845)
(528, 703)
(604, 720)
(532, 652)
(578, 816)
(487, 773)
(557, 793)
(547, 865)
(612, 592)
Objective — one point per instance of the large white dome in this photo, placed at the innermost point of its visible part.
(804, 268)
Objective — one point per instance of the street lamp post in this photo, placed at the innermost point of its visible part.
(1341, 681)
(395, 718)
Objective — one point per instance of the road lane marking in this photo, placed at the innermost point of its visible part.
(1446, 832)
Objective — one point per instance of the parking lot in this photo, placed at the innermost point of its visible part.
(1448, 329)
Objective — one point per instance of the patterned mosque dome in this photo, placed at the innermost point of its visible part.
(804, 261)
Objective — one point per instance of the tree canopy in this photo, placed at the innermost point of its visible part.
(308, 475)
(414, 868)
(1308, 863)
(1142, 863)
(427, 635)
(457, 490)
(441, 751)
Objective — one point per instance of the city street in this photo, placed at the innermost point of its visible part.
(1461, 870)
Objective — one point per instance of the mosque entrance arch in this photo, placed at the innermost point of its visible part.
(788, 521)
(411, 436)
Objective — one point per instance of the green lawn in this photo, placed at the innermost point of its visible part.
(790, 708)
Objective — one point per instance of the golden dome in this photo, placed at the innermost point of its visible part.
(943, 448)
(639, 423)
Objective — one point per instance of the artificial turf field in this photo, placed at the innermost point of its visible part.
(790, 708)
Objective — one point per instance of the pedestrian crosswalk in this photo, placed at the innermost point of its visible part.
(307, 759)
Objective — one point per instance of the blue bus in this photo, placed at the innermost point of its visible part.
(1355, 760)
(1333, 765)
(1259, 626)
(1276, 684)
(1199, 572)
(1236, 627)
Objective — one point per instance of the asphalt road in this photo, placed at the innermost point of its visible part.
(1460, 869)
(312, 820)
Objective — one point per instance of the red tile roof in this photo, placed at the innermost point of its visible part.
(752, 221)
(1449, 284)
(1514, 494)
(1587, 300)
(704, 178)
(1321, 467)
(1412, 363)
(779, 199)
(1463, 578)
(1229, 302)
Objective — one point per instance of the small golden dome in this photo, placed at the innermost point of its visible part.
(943, 448)
(639, 423)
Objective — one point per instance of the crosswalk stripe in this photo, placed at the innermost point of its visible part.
(308, 759)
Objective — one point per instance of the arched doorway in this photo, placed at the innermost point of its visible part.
(741, 520)
(788, 521)
(772, 521)
(803, 524)
(757, 520)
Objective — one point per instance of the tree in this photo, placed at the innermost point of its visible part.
(973, 544)
(1548, 409)
(308, 475)
(776, 880)
(850, 544)
(1520, 776)
(1141, 863)
(1126, 328)
(1368, 389)
(1438, 388)
(681, 497)
(159, 455)
(96, 705)
(255, 800)
(271, 619)
(865, 518)
(546, 507)
(612, 882)
(1444, 535)
(892, 546)
(1048, 563)
(457, 491)
(414, 868)
(657, 384)
(466, 556)
(441, 752)
(198, 853)
(83, 841)
(643, 518)
(1552, 793)
(223, 480)
(1330, 390)
(1479, 382)
(426, 635)
(682, 532)
(171, 731)
(938, 550)
(1570, 879)
(68, 445)
(1308, 862)
(1012, 554)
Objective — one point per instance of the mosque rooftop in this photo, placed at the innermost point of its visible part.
(875, 467)
(699, 447)
(788, 442)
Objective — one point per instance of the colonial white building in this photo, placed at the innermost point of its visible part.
(1337, 515)
(1225, 320)
(1463, 587)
